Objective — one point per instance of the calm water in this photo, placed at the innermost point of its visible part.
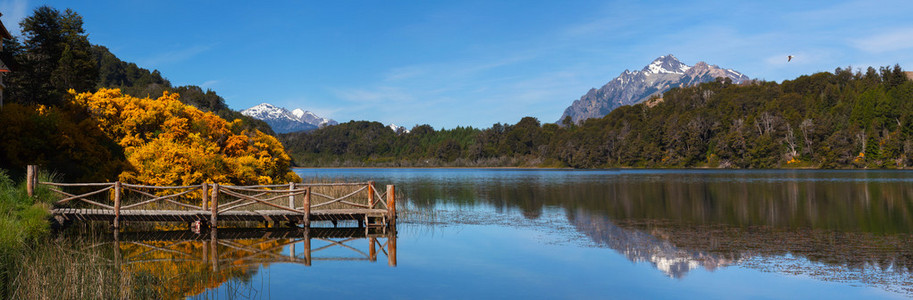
(630, 234)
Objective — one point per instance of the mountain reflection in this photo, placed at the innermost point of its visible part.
(641, 246)
(682, 220)
(675, 249)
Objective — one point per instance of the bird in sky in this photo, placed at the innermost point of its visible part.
(789, 58)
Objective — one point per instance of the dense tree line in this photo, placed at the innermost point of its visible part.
(41, 124)
(139, 82)
(843, 119)
(55, 56)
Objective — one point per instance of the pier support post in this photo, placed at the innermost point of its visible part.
(205, 188)
(391, 247)
(307, 246)
(213, 219)
(372, 253)
(371, 194)
(307, 208)
(291, 195)
(117, 205)
(31, 179)
(117, 254)
(391, 205)
(214, 245)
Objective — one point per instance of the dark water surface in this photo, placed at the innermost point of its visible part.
(629, 234)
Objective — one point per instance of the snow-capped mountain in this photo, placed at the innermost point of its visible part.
(284, 121)
(311, 118)
(398, 129)
(632, 87)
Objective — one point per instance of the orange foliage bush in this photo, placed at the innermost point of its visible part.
(169, 143)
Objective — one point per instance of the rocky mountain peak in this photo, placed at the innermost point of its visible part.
(668, 64)
(632, 87)
(283, 121)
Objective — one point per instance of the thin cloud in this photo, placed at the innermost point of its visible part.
(175, 56)
(899, 39)
(209, 84)
(376, 95)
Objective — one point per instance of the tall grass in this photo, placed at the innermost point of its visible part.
(22, 219)
(34, 266)
(56, 270)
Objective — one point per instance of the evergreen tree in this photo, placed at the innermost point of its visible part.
(55, 57)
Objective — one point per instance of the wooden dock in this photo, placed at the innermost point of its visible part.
(211, 204)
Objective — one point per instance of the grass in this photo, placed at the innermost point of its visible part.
(35, 266)
(55, 270)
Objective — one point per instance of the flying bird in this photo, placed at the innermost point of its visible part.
(789, 58)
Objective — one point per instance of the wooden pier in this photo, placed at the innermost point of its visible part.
(210, 204)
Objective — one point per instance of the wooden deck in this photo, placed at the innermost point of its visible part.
(209, 204)
(96, 214)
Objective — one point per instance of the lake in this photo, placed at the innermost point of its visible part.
(518, 233)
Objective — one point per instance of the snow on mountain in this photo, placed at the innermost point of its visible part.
(313, 119)
(398, 129)
(283, 121)
(632, 87)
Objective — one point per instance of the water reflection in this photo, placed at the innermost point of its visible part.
(186, 264)
(877, 202)
(675, 249)
(852, 226)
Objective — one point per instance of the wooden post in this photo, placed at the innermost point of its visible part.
(291, 196)
(205, 189)
(31, 179)
(307, 208)
(307, 246)
(205, 251)
(391, 205)
(116, 204)
(215, 206)
(372, 254)
(371, 194)
(117, 255)
(391, 248)
(214, 241)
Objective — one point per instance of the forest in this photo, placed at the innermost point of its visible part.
(76, 109)
(840, 119)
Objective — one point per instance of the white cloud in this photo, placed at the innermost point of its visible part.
(899, 39)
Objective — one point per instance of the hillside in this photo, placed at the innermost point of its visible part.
(632, 87)
(825, 120)
(49, 118)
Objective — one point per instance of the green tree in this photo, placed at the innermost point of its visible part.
(55, 57)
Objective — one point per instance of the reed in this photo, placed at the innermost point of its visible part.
(54, 270)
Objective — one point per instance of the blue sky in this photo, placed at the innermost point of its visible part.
(473, 63)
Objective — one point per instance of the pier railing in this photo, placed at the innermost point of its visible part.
(209, 203)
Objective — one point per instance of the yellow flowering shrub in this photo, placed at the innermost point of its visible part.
(169, 143)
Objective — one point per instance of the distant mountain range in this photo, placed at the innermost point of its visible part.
(632, 87)
(284, 121)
